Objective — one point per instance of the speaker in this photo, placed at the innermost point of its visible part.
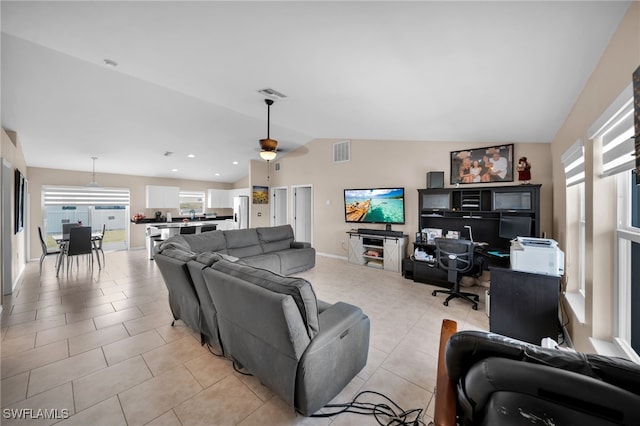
(435, 179)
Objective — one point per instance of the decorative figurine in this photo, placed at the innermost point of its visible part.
(524, 171)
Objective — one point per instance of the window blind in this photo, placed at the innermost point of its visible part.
(81, 195)
(615, 129)
(573, 162)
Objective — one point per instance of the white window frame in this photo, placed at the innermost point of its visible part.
(573, 161)
(625, 235)
(192, 196)
(613, 130)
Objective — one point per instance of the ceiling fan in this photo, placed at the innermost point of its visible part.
(268, 146)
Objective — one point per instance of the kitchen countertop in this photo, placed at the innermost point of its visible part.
(180, 220)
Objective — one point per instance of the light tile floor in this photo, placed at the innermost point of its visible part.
(100, 346)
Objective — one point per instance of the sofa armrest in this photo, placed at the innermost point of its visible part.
(333, 358)
(300, 244)
(334, 321)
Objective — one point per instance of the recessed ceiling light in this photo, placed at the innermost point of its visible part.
(235, 163)
(174, 170)
(217, 174)
(110, 62)
(191, 156)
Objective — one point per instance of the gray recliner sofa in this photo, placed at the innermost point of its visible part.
(304, 350)
(181, 259)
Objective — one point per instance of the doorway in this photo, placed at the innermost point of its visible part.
(303, 213)
(279, 205)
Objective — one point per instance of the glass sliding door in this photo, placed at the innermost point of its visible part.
(95, 207)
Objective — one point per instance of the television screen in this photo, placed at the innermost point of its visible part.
(376, 205)
(437, 201)
(515, 226)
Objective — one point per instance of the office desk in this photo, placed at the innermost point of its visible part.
(430, 273)
(524, 305)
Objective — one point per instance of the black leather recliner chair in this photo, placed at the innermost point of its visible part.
(503, 381)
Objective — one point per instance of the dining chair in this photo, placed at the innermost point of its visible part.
(66, 227)
(46, 250)
(97, 245)
(79, 244)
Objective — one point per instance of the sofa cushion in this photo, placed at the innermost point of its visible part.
(299, 289)
(208, 258)
(269, 261)
(179, 254)
(242, 242)
(175, 242)
(207, 241)
(275, 238)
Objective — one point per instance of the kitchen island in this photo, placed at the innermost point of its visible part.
(157, 231)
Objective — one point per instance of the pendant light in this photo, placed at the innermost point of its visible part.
(268, 146)
(93, 182)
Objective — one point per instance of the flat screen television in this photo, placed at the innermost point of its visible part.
(514, 226)
(374, 205)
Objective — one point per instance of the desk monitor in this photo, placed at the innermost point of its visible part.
(514, 226)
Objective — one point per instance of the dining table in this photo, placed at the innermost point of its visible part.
(63, 239)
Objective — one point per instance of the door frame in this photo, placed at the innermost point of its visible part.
(272, 204)
(309, 219)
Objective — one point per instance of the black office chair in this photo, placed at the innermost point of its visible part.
(46, 251)
(456, 257)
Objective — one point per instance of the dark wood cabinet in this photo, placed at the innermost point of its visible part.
(479, 210)
(524, 306)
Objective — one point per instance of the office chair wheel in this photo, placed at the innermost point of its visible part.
(445, 303)
(434, 293)
(474, 307)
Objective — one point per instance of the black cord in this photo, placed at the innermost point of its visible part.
(235, 367)
(211, 350)
(384, 414)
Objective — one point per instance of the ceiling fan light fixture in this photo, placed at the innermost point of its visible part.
(268, 146)
(267, 155)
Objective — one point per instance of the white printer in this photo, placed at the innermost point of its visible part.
(536, 255)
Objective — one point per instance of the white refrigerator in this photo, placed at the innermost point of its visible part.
(241, 212)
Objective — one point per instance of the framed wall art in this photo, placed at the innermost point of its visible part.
(260, 194)
(20, 190)
(482, 165)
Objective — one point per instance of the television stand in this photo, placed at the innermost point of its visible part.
(377, 250)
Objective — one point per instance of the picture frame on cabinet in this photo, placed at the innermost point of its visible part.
(493, 164)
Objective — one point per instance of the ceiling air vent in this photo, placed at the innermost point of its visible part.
(342, 152)
(273, 94)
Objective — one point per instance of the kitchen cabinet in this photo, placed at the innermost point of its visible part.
(223, 198)
(162, 197)
(218, 199)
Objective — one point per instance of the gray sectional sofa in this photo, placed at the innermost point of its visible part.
(181, 259)
(232, 288)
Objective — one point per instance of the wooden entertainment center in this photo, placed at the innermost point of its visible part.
(377, 249)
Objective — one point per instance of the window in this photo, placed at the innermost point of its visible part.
(628, 265)
(614, 130)
(191, 202)
(93, 207)
(573, 161)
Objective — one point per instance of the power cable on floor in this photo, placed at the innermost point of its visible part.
(385, 414)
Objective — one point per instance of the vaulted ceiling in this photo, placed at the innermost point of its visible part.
(188, 75)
